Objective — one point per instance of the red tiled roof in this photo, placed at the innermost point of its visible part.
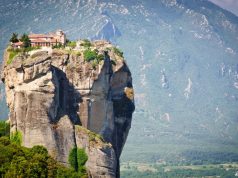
(40, 36)
(18, 43)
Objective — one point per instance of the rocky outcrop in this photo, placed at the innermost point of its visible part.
(57, 99)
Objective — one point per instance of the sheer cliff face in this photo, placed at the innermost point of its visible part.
(58, 100)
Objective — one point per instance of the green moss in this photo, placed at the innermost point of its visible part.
(12, 53)
(78, 53)
(93, 137)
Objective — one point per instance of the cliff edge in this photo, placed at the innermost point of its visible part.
(66, 98)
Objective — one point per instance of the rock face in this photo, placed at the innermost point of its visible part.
(58, 100)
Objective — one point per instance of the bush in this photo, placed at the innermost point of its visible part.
(31, 48)
(18, 161)
(57, 46)
(94, 63)
(77, 160)
(86, 43)
(4, 129)
(16, 137)
(78, 53)
(73, 159)
(89, 55)
(118, 52)
(100, 57)
(113, 62)
(71, 44)
(26, 41)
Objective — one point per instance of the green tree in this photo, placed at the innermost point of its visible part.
(4, 129)
(73, 159)
(81, 159)
(14, 38)
(26, 41)
(89, 55)
(77, 160)
(16, 137)
(18, 161)
(71, 44)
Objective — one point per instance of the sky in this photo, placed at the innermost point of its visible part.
(230, 5)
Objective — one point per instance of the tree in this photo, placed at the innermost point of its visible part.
(73, 159)
(14, 38)
(4, 129)
(26, 41)
(77, 160)
(18, 161)
(89, 55)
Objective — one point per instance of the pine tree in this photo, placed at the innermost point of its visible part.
(26, 41)
(14, 38)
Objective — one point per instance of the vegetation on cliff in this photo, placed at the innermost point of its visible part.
(118, 52)
(77, 160)
(19, 161)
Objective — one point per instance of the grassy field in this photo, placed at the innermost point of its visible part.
(162, 170)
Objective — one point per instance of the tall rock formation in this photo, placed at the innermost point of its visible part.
(59, 100)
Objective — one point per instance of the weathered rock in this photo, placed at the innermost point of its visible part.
(51, 95)
(101, 162)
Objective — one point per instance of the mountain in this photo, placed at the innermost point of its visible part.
(183, 58)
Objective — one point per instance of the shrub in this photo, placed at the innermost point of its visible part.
(86, 43)
(118, 52)
(18, 161)
(16, 137)
(77, 160)
(26, 41)
(31, 48)
(4, 129)
(57, 46)
(94, 63)
(82, 159)
(71, 44)
(100, 57)
(113, 62)
(78, 53)
(73, 159)
(89, 55)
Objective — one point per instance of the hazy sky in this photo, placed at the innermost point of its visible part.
(231, 5)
